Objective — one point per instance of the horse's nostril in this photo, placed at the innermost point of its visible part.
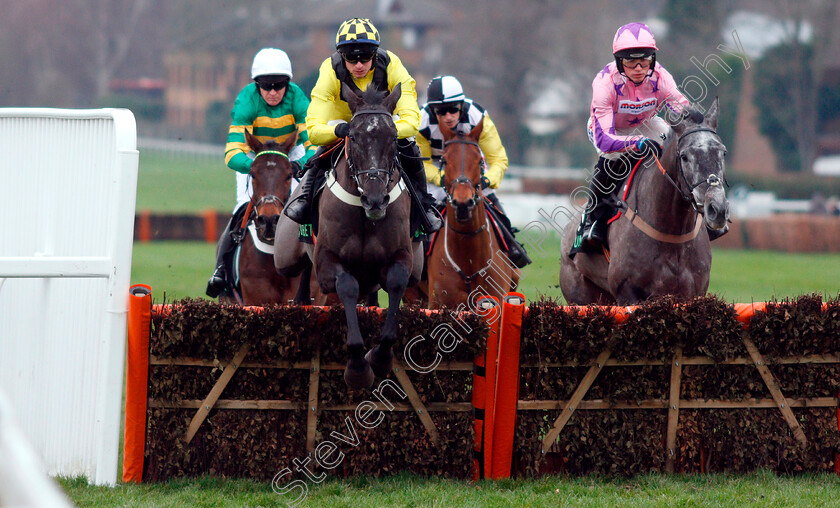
(365, 201)
(386, 199)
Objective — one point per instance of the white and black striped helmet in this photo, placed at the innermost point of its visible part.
(443, 89)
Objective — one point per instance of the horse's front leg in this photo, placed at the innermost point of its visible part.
(334, 278)
(303, 297)
(381, 357)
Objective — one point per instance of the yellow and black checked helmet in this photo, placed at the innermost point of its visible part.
(356, 31)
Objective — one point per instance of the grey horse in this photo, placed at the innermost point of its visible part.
(659, 246)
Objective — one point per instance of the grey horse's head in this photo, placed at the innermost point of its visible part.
(700, 159)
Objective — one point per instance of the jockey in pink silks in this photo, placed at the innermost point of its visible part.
(627, 94)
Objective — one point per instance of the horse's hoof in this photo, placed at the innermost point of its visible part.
(381, 363)
(358, 374)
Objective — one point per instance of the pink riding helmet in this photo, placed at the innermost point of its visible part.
(633, 35)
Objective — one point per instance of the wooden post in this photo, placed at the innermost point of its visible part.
(776, 392)
(217, 390)
(673, 410)
(416, 403)
(312, 407)
(580, 392)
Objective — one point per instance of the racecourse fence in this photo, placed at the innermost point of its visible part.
(696, 386)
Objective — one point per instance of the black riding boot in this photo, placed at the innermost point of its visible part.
(299, 208)
(218, 281)
(516, 251)
(412, 164)
(599, 209)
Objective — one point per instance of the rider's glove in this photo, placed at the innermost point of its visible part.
(646, 146)
(494, 176)
(297, 170)
(485, 182)
(342, 130)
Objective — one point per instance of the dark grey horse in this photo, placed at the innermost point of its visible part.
(665, 249)
(364, 241)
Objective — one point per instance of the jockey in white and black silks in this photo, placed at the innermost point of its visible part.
(360, 62)
(447, 104)
(271, 108)
(627, 94)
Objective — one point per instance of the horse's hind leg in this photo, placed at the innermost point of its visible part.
(381, 357)
(358, 373)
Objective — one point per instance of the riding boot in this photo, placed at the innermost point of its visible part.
(599, 209)
(516, 251)
(218, 281)
(412, 163)
(299, 208)
(714, 234)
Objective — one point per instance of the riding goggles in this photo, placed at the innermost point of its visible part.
(273, 85)
(632, 63)
(446, 109)
(356, 58)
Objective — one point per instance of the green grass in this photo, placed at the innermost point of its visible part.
(181, 269)
(760, 489)
(184, 184)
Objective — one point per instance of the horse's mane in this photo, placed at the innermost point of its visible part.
(691, 115)
(694, 116)
(373, 96)
(271, 145)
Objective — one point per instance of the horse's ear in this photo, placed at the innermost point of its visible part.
(287, 145)
(353, 100)
(390, 101)
(713, 113)
(253, 142)
(475, 133)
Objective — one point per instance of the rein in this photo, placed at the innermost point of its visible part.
(713, 180)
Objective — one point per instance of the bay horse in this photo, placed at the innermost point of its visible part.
(659, 247)
(364, 240)
(468, 257)
(270, 178)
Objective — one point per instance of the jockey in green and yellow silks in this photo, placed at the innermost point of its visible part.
(271, 108)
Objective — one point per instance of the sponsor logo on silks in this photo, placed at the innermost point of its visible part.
(636, 107)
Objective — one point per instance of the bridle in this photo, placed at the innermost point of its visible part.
(712, 180)
(477, 198)
(266, 203)
(386, 174)
(462, 178)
